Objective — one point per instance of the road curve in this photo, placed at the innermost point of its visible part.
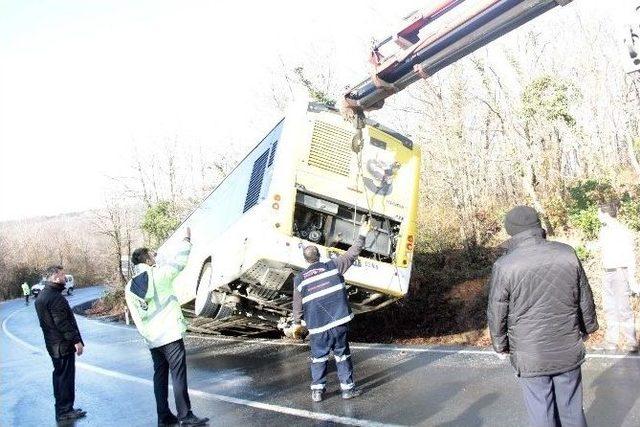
(260, 382)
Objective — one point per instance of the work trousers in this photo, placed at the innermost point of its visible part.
(170, 357)
(617, 307)
(336, 340)
(64, 382)
(554, 400)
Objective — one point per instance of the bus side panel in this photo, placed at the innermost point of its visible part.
(294, 148)
(244, 188)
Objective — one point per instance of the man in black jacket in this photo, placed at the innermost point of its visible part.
(540, 310)
(63, 341)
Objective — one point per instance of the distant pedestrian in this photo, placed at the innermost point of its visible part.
(63, 342)
(26, 291)
(155, 310)
(320, 298)
(540, 310)
(619, 265)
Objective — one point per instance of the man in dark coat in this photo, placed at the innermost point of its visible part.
(540, 310)
(63, 341)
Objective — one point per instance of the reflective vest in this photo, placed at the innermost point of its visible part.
(324, 297)
(151, 299)
(25, 289)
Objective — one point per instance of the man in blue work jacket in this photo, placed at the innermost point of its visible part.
(320, 297)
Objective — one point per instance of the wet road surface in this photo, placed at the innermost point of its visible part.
(240, 382)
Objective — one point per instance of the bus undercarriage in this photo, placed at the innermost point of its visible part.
(260, 300)
(249, 310)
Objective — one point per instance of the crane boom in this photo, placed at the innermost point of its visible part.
(434, 38)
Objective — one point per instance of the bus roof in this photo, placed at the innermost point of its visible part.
(318, 107)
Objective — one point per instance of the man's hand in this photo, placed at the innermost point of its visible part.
(365, 227)
(79, 348)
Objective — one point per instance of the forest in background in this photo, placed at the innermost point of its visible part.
(545, 116)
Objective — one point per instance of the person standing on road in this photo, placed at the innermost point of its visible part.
(26, 292)
(320, 297)
(157, 314)
(619, 264)
(63, 342)
(540, 310)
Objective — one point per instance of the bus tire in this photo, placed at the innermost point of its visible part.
(206, 302)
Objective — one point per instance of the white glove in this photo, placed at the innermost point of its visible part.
(296, 331)
(365, 228)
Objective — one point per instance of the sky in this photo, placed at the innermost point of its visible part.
(84, 82)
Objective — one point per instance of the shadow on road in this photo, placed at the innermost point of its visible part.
(397, 371)
(471, 415)
(281, 373)
(408, 408)
(616, 392)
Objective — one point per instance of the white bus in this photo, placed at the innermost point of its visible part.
(302, 184)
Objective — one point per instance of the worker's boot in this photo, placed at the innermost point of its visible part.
(351, 393)
(70, 416)
(316, 395)
(192, 420)
(168, 421)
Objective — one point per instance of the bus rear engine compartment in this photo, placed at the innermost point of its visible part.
(335, 225)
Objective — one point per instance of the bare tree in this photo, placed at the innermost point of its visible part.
(116, 222)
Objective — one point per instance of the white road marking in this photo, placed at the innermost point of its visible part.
(319, 416)
(387, 347)
(381, 347)
(25, 344)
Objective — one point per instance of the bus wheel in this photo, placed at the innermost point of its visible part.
(206, 302)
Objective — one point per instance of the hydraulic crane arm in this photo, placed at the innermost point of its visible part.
(434, 38)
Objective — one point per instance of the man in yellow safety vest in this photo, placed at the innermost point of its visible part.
(26, 292)
(157, 314)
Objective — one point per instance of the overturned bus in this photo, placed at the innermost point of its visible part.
(311, 180)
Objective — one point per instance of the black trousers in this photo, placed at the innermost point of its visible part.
(26, 299)
(170, 357)
(64, 382)
(554, 400)
(336, 340)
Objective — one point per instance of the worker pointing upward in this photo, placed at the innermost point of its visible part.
(320, 297)
(155, 309)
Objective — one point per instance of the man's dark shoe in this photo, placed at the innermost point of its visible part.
(351, 393)
(79, 411)
(316, 395)
(168, 421)
(71, 415)
(192, 420)
(629, 348)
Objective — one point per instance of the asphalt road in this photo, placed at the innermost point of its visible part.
(239, 382)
